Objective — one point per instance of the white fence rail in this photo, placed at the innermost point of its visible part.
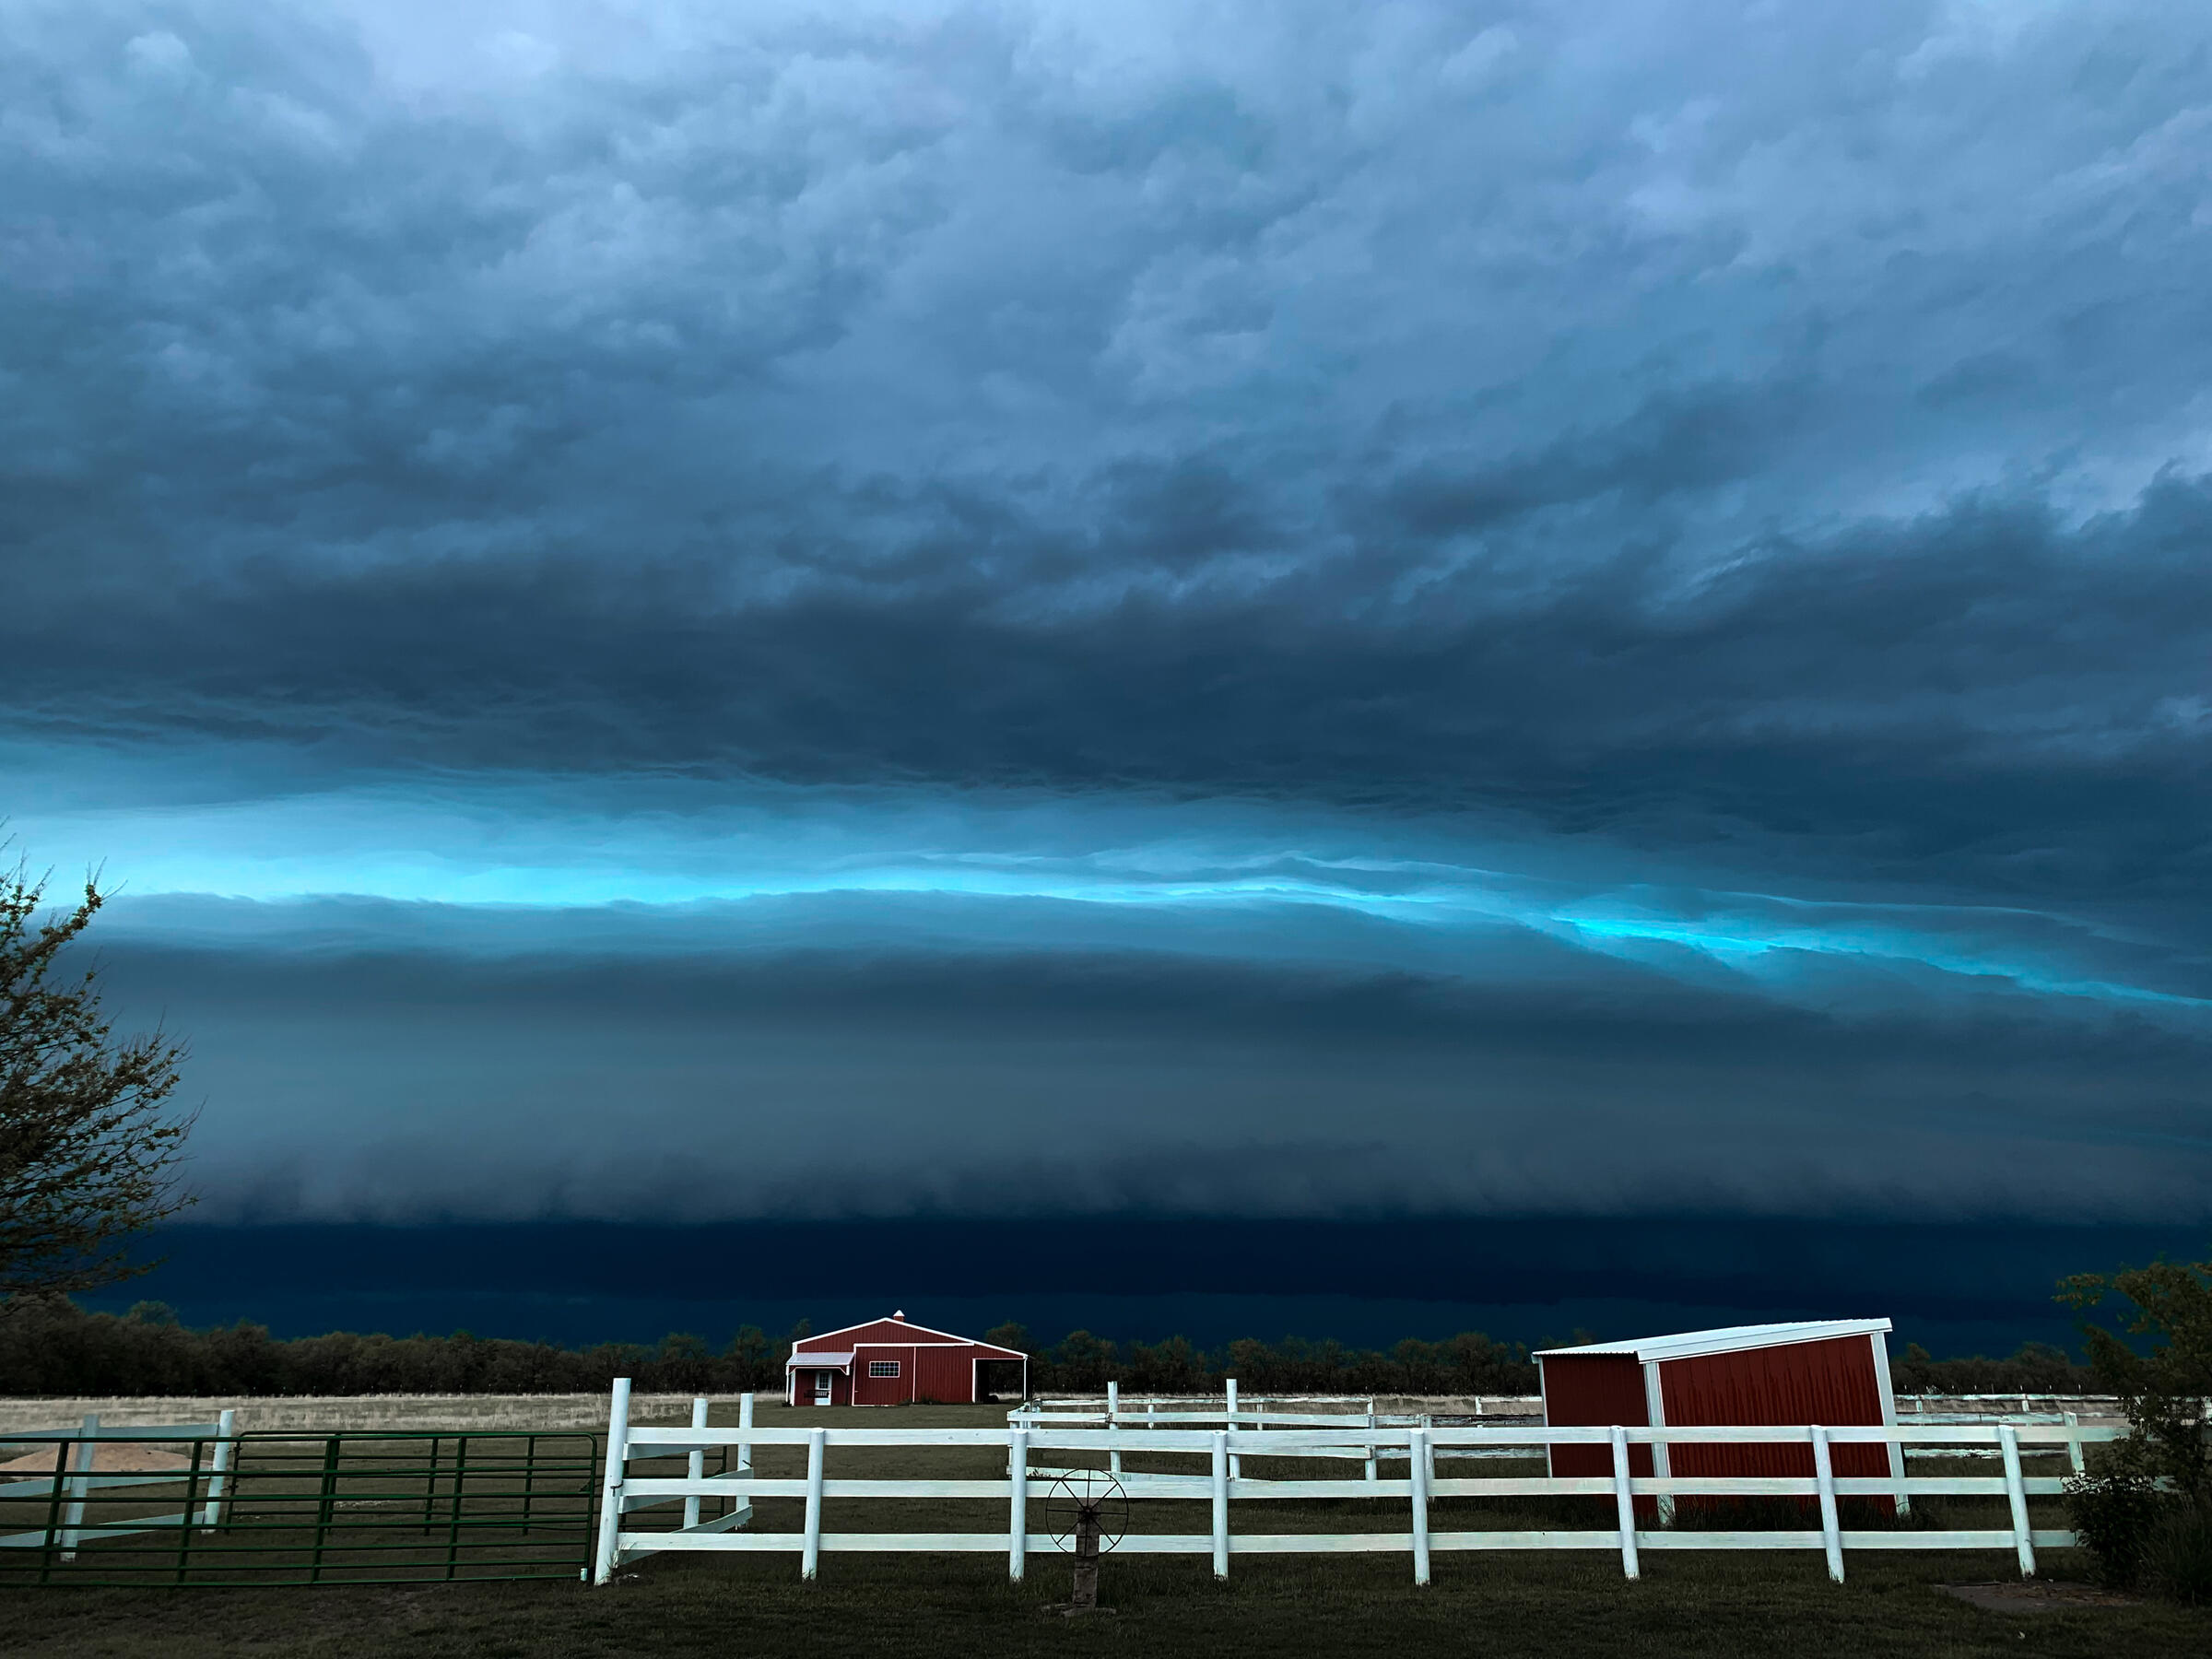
(1032, 1449)
(1261, 1413)
(1189, 1407)
(79, 1449)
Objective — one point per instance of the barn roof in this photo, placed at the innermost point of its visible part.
(824, 1361)
(910, 1335)
(1728, 1339)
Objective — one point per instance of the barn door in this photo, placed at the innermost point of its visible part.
(822, 1387)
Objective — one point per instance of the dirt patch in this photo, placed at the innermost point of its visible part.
(2037, 1596)
(120, 1459)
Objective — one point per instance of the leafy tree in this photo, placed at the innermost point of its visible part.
(2145, 1512)
(1083, 1361)
(2164, 1391)
(751, 1357)
(88, 1144)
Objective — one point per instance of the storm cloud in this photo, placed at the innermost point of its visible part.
(1260, 610)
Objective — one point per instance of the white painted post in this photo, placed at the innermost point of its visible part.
(1422, 1468)
(697, 1467)
(81, 1485)
(1624, 1503)
(1113, 1423)
(1428, 1448)
(1824, 1479)
(1017, 1509)
(745, 1448)
(1374, 1472)
(2074, 1442)
(1896, 1448)
(1222, 1505)
(226, 1425)
(2015, 1494)
(610, 1491)
(1236, 1464)
(810, 1555)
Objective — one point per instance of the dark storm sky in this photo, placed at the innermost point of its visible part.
(693, 612)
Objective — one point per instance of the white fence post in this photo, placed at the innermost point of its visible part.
(1113, 1424)
(610, 1493)
(1374, 1472)
(1235, 1464)
(1018, 1508)
(2074, 1442)
(696, 1465)
(2008, 1440)
(211, 1512)
(1624, 1503)
(1421, 1469)
(1824, 1480)
(744, 1448)
(80, 1462)
(810, 1556)
(1222, 1505)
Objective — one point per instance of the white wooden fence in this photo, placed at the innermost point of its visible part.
(80, 1447)
(1261, 1413)
(1415, 1449)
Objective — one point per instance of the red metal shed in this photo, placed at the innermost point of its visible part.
(1831, 1372)
(891, 1362)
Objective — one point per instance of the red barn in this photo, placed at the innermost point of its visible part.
(891, 1362)
(1831, 1372)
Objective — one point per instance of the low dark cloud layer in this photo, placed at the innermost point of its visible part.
(1601, 564)
(700, 1083)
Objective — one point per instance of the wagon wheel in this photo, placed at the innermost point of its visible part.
(1079, 1492)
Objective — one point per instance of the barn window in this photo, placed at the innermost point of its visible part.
(883, 1368)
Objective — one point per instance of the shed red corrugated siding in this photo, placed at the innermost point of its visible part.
(945, 1376)
(1832, 1381)
(882, 1391)
(1600, 1390)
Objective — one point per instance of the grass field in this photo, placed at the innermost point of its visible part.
(1521, 1606)
(1480, 1604)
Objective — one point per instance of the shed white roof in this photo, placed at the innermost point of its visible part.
(1729, 1338)
(823, 1361)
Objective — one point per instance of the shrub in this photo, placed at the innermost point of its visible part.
(2145, 1513)
(2177, 1556)
(2116, 1510)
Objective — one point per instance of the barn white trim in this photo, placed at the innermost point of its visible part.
(1728, 1339)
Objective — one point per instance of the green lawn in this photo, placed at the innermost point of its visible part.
(1502, 1604)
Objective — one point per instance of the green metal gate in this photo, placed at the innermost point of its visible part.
(279, 1508)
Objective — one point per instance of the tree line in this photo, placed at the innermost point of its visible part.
(51, 1347)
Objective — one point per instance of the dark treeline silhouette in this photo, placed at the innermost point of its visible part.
(1080, 1362)
(2037, 1367)
(52, 1348)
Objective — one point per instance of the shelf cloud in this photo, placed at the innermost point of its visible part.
(1445, 608)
